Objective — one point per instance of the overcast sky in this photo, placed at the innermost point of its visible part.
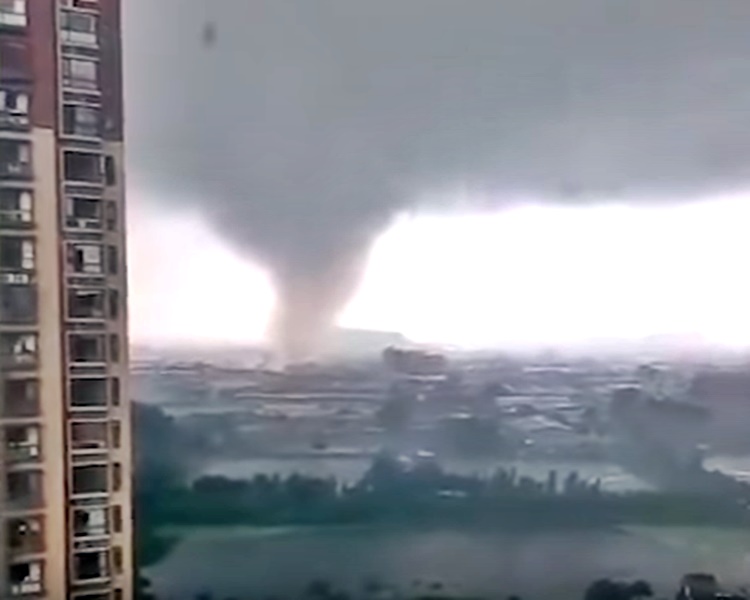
(294, 140)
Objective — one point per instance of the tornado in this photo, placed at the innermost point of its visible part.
(299, 129)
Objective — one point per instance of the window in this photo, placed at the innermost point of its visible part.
(110, 170)
(80, 73)
(93, 564)
(91, 521)
(83, 213)
(22, 443)
(117, 518)
(25, 578)
(88, 435)
(85, 304)
(117, 477)
(18, 350)
(16, 207)
(14, 107)
(15, 60)
(111, 215)
(85, 258)
(78, 28)
(25, 535)
(114, 347)
(117, 559)
(85, 167)
(116, 434)
(89, 392)
(114, 304)
(112, 260)
(13, 13)
(20, 398)
(115, 391)
(15, 159)
(90, 479)
(14, 101)
(18, 304)
(81, 120)
(16, 253)
(24, 489)
(86, 348)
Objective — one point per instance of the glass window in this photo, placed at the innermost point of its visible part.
(78, 28)
(114, 347)
(13, 13)
(16, 207)
(81, 120)
(15, 62)
(112, 260)
(85, 258)
(80, 73)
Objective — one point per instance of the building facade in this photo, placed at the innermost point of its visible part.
(65, 491)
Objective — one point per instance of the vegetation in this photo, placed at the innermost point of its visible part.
(395, 492)
(321, 589)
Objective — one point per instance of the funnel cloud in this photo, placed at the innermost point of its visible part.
(299, 128)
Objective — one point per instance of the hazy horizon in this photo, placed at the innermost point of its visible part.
(476, 281)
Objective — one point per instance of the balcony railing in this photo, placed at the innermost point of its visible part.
(15, 170)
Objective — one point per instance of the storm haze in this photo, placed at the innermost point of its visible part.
(300, 129)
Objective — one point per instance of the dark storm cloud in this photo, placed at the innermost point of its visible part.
(301, 126)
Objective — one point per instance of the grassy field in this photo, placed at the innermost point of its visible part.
(281, 561)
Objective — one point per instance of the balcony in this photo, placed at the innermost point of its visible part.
(20, 399)
(80, 74)
(15, 159)
(86, 303)
(25, 535)
(86, 259)
(90, 479)
(14, 109)
(16, 253)
(22, 444)
(83, 167)
(18, 304)
(82, 121)
(18, 350)
(89, 435)
(90, 522)
(84, 213)
(78, 29)
(25, 578)
(13, 14)
(90, 566)
(88, 393)
(16, 208)
(87, 348)
(24, 490)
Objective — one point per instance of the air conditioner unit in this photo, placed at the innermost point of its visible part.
(88, 4)
(11, 217)
(89, 223)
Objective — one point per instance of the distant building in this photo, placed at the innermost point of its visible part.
(726, 393)
(415, 362)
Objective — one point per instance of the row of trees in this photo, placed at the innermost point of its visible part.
(392, 491)
(321, 589)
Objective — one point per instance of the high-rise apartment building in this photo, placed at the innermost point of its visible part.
(65, 460)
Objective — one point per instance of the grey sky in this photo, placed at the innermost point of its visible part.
(308, 123)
